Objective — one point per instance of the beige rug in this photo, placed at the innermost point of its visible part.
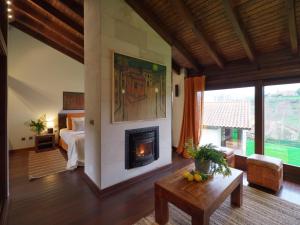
(46, 163)
(259, 208)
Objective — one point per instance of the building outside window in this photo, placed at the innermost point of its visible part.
(228, 119)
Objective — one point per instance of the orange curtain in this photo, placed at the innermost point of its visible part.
(192, 112)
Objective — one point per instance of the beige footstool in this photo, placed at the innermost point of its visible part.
(265, 171)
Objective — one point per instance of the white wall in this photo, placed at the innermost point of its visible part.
(177, 106)
(121, 30)
(38, 75)
(92, 61)
(211, 135)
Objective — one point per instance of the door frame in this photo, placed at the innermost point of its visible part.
(3, 113)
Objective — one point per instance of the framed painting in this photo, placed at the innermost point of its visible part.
(139, 89)
(73, 100)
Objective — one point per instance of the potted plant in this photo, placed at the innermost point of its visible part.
(39, 125)
(208, 160)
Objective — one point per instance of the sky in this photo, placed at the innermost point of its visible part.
(282, 88)
(229, 94)
(247, 93)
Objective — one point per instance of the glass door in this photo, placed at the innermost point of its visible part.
(282, 122)
(228, 119)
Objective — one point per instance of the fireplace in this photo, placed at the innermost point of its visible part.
(141, 146)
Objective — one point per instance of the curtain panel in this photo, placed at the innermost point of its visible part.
(192, 112)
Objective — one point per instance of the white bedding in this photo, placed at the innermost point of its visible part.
(75, 142)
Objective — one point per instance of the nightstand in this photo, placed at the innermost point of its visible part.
(44, 141)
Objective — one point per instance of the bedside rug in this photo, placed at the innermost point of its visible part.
(259, 208)
(46, 163)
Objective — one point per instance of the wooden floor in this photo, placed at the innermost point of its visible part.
(66, 199)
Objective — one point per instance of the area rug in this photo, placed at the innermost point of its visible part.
(46, 163)
(258, 208)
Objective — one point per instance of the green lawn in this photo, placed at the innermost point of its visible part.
(289, 154)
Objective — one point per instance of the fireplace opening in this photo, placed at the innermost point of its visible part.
(142, 146)
(144, 149)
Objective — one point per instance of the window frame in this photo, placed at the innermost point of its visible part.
(259, 106)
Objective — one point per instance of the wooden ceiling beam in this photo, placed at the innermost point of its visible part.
(74, 6)
(37, 27)
(239, 29)
(51, 22)
(292, 26)
(61, 14)
(175, 66)
(80, 2)
(162, 30)
(186, 15)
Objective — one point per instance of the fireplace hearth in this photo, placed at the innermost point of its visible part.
(141, 146)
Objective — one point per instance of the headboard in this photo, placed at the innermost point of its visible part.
(62, 120)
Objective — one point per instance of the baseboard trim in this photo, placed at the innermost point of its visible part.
(4, 212)
(124, 184)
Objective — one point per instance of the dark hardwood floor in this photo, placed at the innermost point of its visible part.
(65, 198)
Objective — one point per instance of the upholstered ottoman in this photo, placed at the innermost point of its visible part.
(228, 154)
(265, 171)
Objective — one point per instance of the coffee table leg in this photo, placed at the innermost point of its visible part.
(200, 220)
(237, 195)
(161, 208)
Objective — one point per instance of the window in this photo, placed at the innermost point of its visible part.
(282, 122)
(228, 119)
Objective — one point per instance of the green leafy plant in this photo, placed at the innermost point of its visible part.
(209, 152)
(39, 125)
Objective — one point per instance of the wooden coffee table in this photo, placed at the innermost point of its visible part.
(199, 200)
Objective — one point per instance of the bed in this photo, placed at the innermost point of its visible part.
(71, 140)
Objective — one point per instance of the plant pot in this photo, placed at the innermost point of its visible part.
(203, 166)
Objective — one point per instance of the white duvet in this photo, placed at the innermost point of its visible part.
(75, 142)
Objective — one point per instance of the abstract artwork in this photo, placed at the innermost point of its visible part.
(139, 89)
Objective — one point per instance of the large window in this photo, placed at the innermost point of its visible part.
(282, 122)
(228, 119)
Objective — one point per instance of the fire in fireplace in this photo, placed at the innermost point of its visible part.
(142, 146)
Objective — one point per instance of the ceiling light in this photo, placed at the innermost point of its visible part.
(9, 9)
(10, 16)
(8, 2)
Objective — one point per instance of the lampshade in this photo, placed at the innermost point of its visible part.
(50, 124)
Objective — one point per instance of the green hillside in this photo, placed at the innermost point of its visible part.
(289, 154)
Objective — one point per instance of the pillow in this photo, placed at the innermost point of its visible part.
(78, 124)
(69, 118)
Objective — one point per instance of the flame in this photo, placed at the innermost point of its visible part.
(141, 150)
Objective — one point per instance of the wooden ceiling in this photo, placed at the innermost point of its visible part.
(204, 33)
(58, 23)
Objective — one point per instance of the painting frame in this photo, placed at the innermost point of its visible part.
(73, 100)
(113, 97)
